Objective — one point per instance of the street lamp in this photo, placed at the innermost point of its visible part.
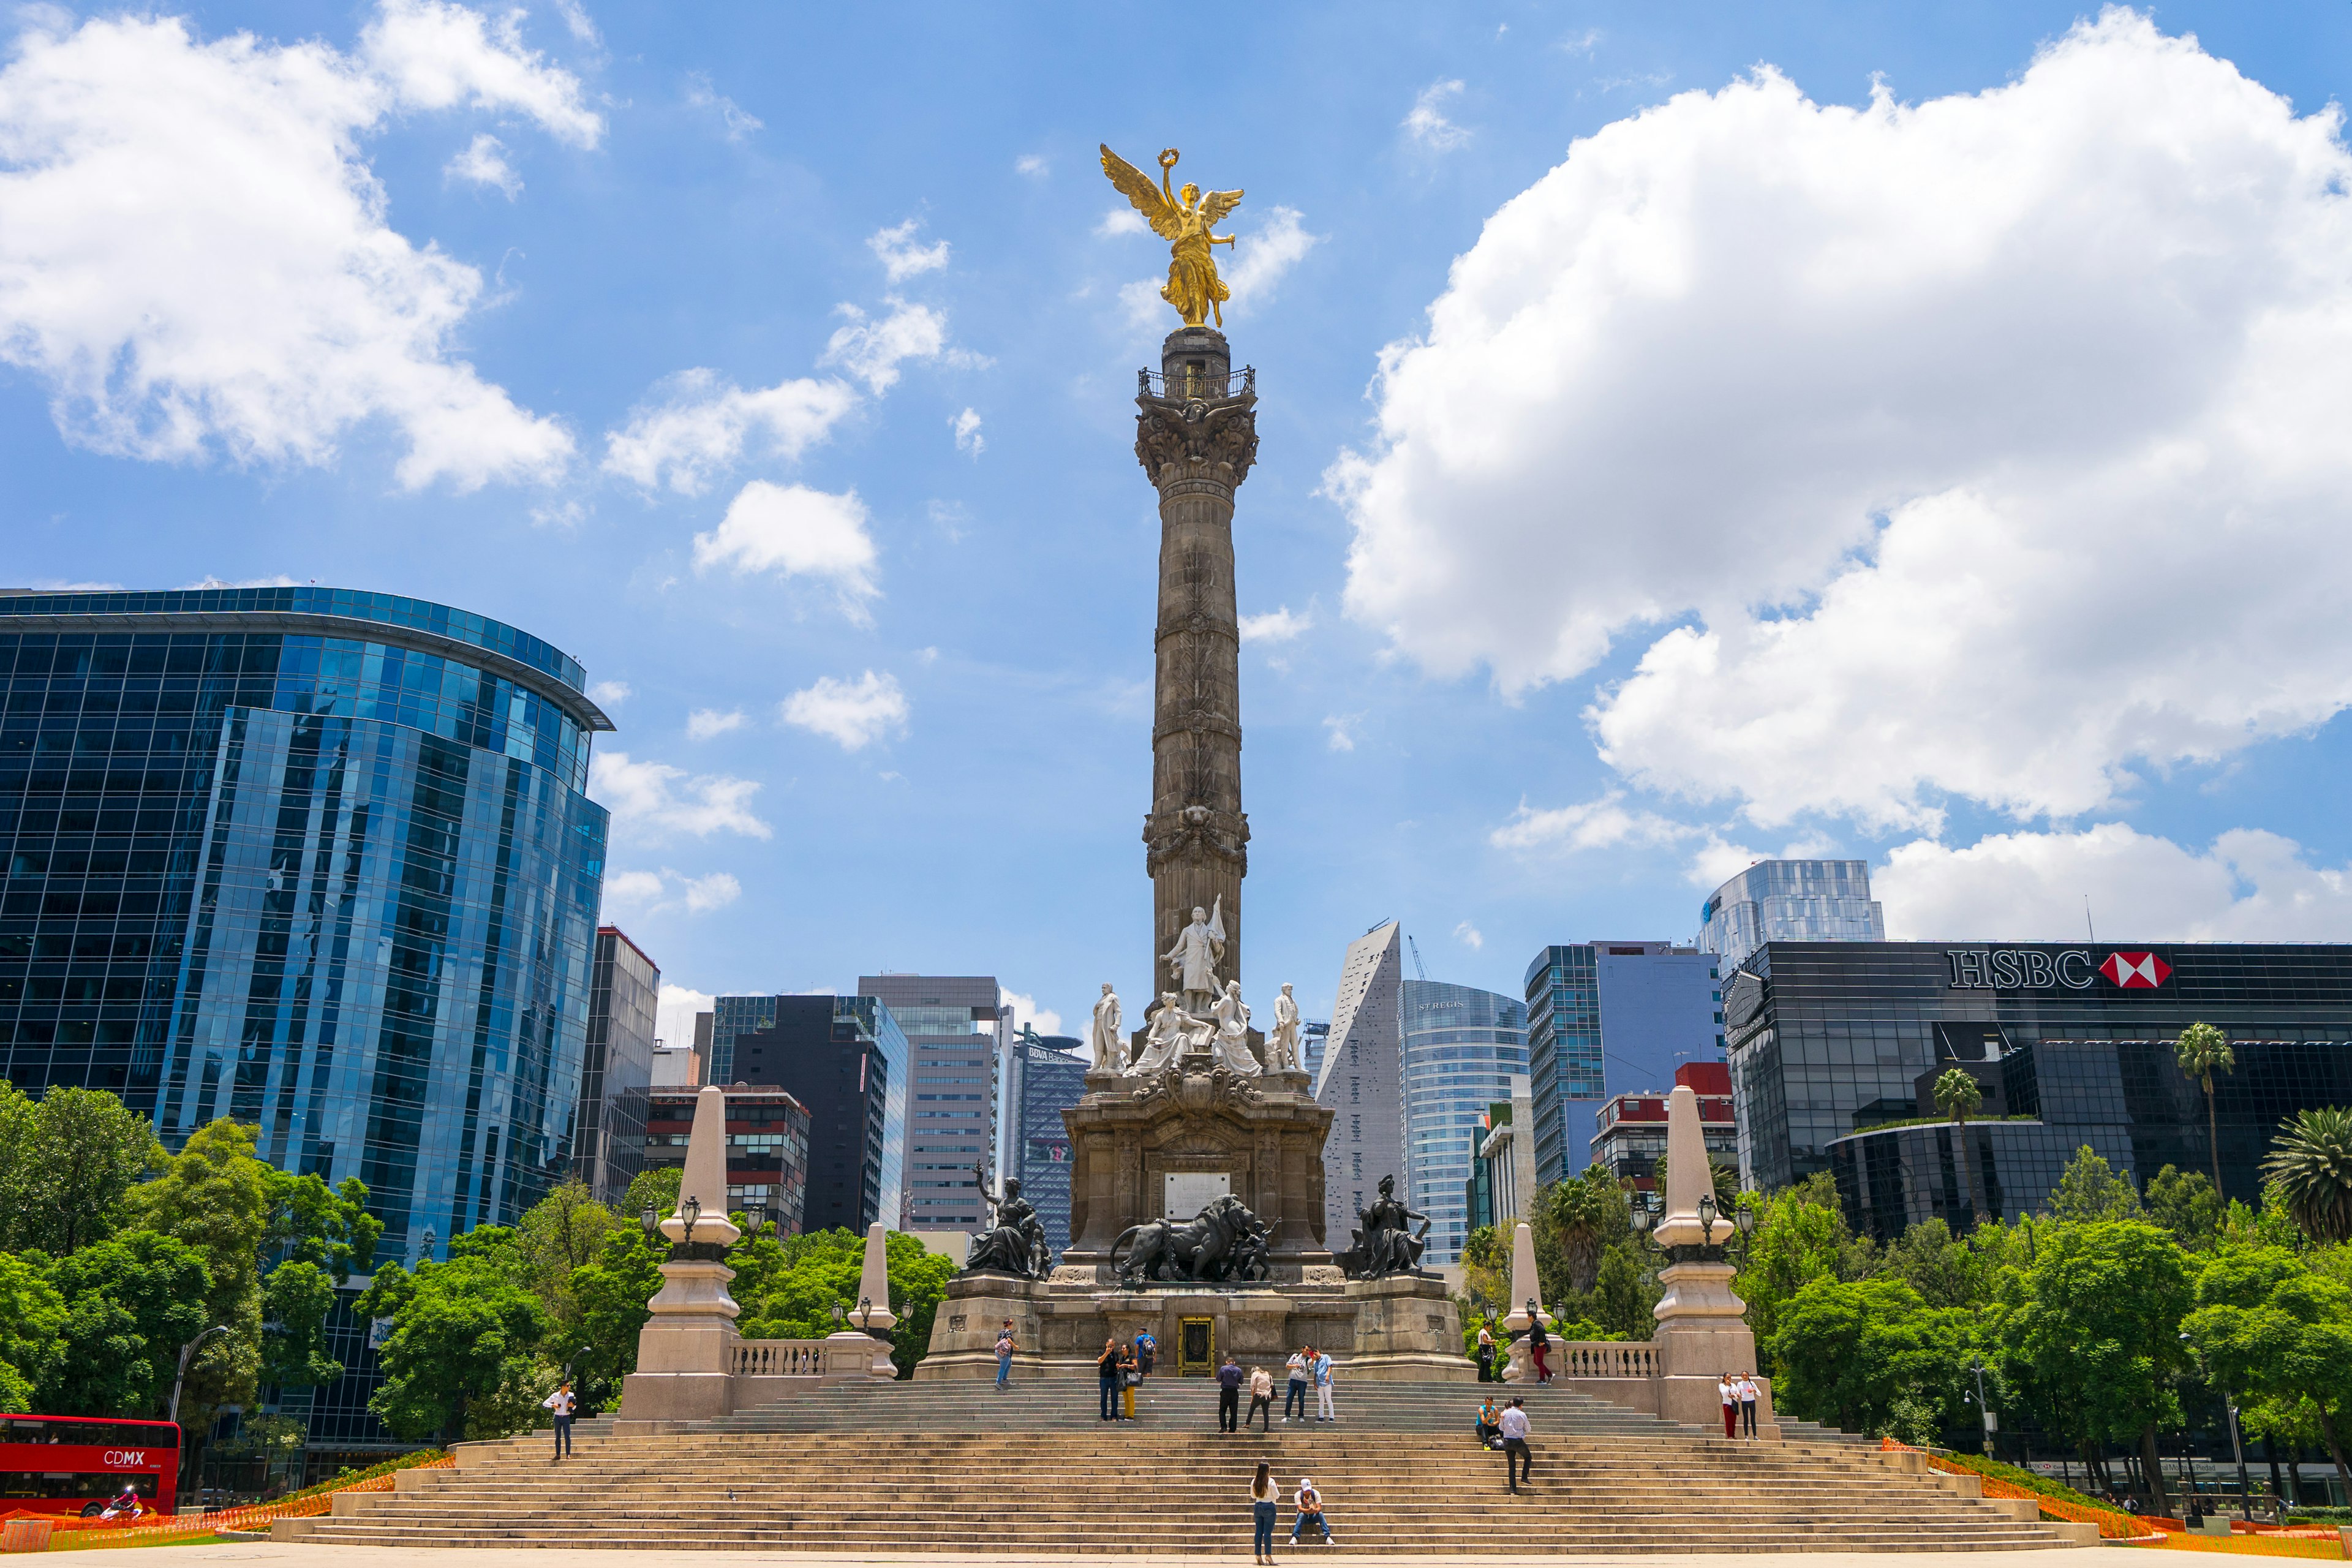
(1643, 1217)
(1745, 1218)
(865, 1314)
(1707, 1217)
(692, 1210)
(840, 1313)
(187, 1353)
(2237, 1447)
(650, 1218)
(1984, 1408)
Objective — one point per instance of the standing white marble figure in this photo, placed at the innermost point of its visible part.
(1282, 1045)
(1111, 1053)
(1193, 961)
(1230, 1048)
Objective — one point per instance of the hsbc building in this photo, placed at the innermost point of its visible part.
(2071, 1043)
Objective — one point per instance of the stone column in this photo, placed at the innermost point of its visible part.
(1196, 436)
(870, 1356)
(1702, 1330)
(1525, 1287)
(685, 1349)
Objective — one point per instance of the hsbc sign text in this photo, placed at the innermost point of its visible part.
(2040, 969)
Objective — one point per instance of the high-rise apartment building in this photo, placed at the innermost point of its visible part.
(1044, 1076)
(1612, 1018)
(317, 859)
(608, 1142)
(1362, 1079)
(1461, 1047)
(957, 1033)
(844, 1060)
(1789, 901)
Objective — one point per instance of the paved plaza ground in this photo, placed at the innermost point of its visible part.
(305, 1552)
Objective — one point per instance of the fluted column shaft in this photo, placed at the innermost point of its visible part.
(1196, 438)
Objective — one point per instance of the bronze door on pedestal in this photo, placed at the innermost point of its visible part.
(1196, 1346)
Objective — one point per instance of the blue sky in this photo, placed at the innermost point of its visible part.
(1949, 478)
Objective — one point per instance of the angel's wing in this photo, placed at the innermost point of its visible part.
(1216, 204)
(1137, 187)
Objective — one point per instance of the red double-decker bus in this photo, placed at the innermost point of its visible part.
(69, 1464)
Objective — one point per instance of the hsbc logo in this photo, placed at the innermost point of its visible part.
(2135, 971)
(2040, 969)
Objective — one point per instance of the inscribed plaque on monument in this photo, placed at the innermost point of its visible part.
(1189, 1192)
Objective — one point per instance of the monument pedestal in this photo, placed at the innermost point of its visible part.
(686, 1353)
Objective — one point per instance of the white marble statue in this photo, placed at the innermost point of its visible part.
(1230, 1048)
(1162, 1037)
(1111, 1051)
(1282, 1045)
(1193, 961)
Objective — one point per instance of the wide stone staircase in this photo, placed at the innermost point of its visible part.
(962, 1467)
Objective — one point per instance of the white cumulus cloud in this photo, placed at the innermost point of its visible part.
(852, 713)
(484, 162)
(1427, 124)
(1279, 243)
(738, 122)
(674, 1012)
(1045, 1020)
(799, 533)
(1121, 220)
(1275, 625)
(2249, 886)
(1031, 164)
(1597, 824)
(1470, 936)
(1989, 446)
(900, 256)
(700, 423)
(704, 724)
(968, 437)
(197, 258)
(872, 349)
(611, 693)
(652, 801)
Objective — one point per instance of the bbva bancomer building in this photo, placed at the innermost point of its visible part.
(2072, 1045)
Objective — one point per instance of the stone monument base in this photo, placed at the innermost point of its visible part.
(1400, 1329)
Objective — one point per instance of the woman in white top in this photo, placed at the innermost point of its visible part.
(1731, 1405)
(1486, 1355)
(1265, 1497)
(1261, 1387)
(1747, 1389)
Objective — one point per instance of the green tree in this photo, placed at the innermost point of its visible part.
(77, 1153)
(2089, 1189)
(460, 1359)
(1855, 1354)
(331, 1228)
(2095, 1344)
(1958, 1096)
(1624, 1289)
(2269, 1324)
(32, 1331)
(611, 1294)
(2186, 1205)
(1583, 1214)
(789, 1293)
(655, 1186)
(213, 1196)
(1945, 1271)
(2203, 1050)
(1800, 1236)
(2311, 1164)
(296, 1297)
(131, 1301)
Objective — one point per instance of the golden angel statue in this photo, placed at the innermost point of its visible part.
(1183, 218)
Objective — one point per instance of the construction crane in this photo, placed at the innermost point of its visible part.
(1419, 969)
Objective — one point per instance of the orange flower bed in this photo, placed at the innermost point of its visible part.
(245, 1517)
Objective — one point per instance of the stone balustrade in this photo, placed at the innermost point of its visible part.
(781, 1358)
(1603, 1358)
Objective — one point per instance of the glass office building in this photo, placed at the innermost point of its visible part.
(609, 1142)
(1461, 1047)
(957, 1036)
(316, 859)
(1830, 1039)
(1046, 1075)
(1609, 1018)
(844, 1060)
(1789, 901)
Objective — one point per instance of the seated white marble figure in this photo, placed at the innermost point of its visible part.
(1230, 1048)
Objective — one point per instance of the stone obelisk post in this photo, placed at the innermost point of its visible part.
(685, 1349)
(1196, 436)
(1702, 1329)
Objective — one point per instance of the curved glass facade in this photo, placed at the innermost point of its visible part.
(1461, 1046)
(317, 860)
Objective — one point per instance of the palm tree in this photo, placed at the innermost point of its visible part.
(1579, 1208)
(2203, 1051)
(2312, 1163)
(1958, 1096)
